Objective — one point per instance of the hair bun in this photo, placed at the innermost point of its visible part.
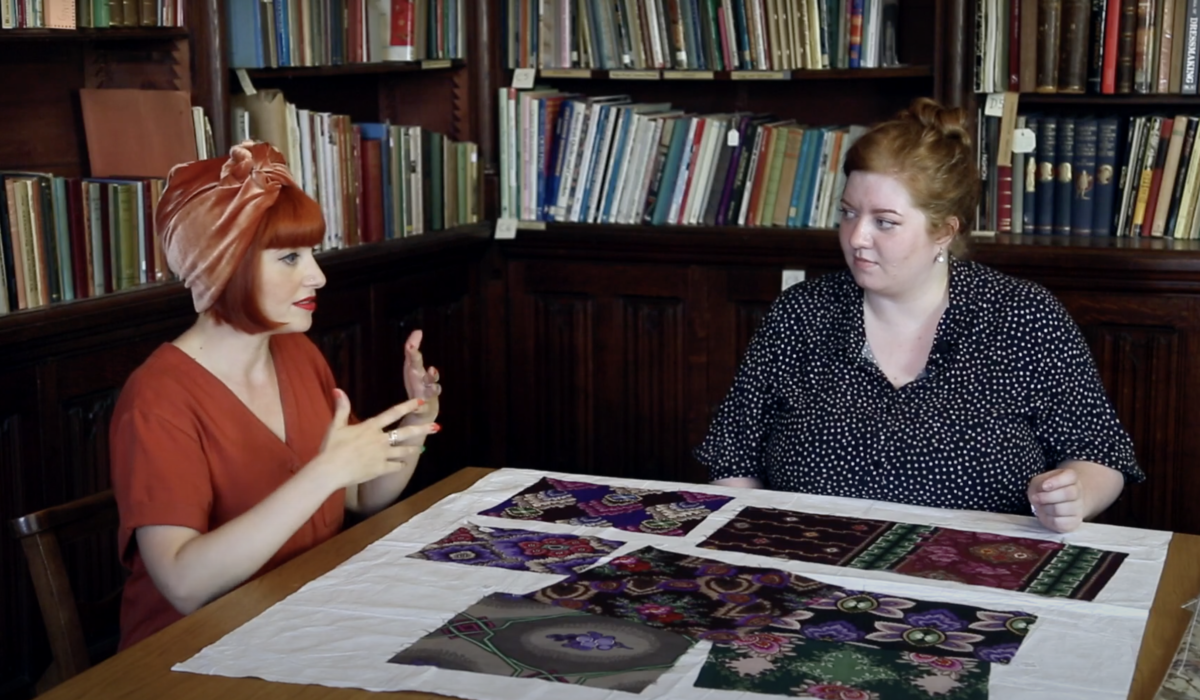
(947, 122)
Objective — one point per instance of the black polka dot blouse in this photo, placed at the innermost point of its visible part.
(1009, 391)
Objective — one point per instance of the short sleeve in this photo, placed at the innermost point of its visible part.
(1075, 420)
(747, 417)
(160, 476)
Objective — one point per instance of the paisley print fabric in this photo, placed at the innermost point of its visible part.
(522, 550)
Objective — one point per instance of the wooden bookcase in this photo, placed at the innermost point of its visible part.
(584, 348)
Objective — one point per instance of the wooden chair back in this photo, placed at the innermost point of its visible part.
(42, 535)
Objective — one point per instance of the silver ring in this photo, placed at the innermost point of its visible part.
(394, 438)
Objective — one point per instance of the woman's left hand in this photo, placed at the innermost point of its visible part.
(1057, 499)
(420, 382)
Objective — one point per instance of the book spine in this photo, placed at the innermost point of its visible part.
(856, 33)
(1073, 48)
(1191, 47)
(1065, 176)
(1158, 173)
(1083, 193)
(1112, 24)
(1125, 46)
(1166, 34)
(1014, 42)
(1143, 61)
(1004, 198)
(1048, 36)
(1029, 208)
(1181, 177)
(1170, 173)
(1146, 178)
(1096, 46)
(401, 38)
(1047, 145)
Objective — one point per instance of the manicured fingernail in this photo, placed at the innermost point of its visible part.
(420, 402)
(435, 428)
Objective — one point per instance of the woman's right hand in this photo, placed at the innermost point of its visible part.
(354, 453)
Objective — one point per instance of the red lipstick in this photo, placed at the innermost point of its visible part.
(308, 304)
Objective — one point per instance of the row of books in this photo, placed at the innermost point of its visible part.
(608, 160)
(374, 181)
(286, 33)
(1119, 176)
(70, 238)
(701, 34)
(1087, 46)
(91, 14)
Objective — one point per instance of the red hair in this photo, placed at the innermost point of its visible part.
(293, 221)
(928, 149)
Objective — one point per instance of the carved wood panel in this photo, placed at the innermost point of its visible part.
(558, 405)
(22, 644)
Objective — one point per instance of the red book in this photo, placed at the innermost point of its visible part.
(402, 37)
(687, 188)
(1160, 158)
(372, 191)
(79, 257)
(106, 190)
(1112, 24)
(1004, 198)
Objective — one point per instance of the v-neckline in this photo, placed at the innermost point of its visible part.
(285, 394)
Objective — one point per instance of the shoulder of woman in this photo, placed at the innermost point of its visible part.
(1010, 293)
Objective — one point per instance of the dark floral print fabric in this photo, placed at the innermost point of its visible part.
(795, 666)
(673, 513)
(997, 561)
(521, 550)
(713, 600)
(506, 635)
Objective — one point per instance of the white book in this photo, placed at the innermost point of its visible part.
(578, 110)
(603, 163)
(416, 178)
(643, 158)
(514, 161)
(595, 111)
(622, 131)
(808, 219)
(634, 154)
(505, 153)
(699, 184)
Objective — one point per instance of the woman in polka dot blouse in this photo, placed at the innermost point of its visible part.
(916, 376)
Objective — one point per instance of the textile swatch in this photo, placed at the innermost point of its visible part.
(713, 600)
(521, 550)
(1021, 564)
(790, 665)
(1182, 681)
(673, 513)
(506, 635)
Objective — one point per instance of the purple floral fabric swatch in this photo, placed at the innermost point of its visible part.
(520, 550)
(712, 600)
(507, 635)
(673, 513)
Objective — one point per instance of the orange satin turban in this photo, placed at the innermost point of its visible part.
(211, 210)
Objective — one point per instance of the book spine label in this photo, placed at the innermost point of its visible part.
(1047, 145)
(1064, 176)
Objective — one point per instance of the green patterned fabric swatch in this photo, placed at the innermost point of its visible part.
(776, 664)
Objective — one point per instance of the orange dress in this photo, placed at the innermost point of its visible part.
(186, 451)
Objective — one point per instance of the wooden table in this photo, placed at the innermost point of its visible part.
(144, 671)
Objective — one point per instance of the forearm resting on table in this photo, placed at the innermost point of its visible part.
(1099, 485)
(740, 482)
(190, 569)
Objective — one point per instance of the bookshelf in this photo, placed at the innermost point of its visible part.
(589, 348)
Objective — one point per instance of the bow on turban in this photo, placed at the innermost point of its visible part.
(211, 210)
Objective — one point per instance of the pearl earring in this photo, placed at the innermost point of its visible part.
(941, 256)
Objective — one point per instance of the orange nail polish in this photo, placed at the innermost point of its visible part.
(435, 428)
(420, 402)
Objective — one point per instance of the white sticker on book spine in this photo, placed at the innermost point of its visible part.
(506, 229)
(1024, 141)
(732, 139)
(994, 107)
(523, 78)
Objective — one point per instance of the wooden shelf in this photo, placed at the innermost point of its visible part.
(1109, 101)
(129, 306)
(354, 69)
(91, 35)
(735, 76)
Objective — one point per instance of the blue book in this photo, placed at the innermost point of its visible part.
(1083, 190)
(282, 36)
(379, 132)
(810, 162)
(597, 162)
(700, 60)
(558, 153)
(743, 37)
(662, 203)
(1063, 159)
(1047, 150)
(796, 196)
(62, 231)
(620, 138)
(1029, 193)
(245, 35)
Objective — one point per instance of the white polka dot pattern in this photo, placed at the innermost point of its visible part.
(1009, 391)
